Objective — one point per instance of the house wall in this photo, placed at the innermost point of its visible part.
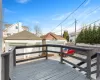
(72, 37)
(14, 28)
(59, 42)
(8, 43)
(11, 43)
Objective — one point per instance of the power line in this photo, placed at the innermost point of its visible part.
(70, 14)
(65, 27)
(93, 22)
(91, 12)
(90, 24)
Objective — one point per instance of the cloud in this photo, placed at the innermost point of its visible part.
(8, 11)
(60, 17)
(88, 1)
(22, 1)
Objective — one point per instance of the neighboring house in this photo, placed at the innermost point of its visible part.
(23, 38)
(72, 37)
(52, 38)
(10, 29)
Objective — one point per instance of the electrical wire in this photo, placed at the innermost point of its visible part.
(70, 14)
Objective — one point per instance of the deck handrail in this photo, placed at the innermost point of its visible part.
(98, 65)
(8, 60)
(87, 52)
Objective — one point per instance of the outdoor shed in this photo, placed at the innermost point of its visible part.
(23, 38)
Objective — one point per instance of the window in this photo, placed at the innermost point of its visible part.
(16, 27)
(8, 34)
(70, 40)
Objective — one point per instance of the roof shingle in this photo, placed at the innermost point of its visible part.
(24, 35)
(51, 36)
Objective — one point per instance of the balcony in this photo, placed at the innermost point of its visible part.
(45, 68)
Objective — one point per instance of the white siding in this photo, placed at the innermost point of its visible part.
(12, 29)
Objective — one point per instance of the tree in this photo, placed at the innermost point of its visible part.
(37, 30)
(89, 35)
(98, 35)
(66, 35)
(80, 37)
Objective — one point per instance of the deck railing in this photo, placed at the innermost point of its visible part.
(9, 59)
(98, 65)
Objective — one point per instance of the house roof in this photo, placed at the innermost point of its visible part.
(24, 35)
(52, 36)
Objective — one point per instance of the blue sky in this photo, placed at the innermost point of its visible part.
(47, 14)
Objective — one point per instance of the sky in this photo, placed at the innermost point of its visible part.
(47, 14)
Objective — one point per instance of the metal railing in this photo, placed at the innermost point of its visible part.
(9, 59)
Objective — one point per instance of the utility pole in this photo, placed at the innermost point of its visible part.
(18, 27)
(61, 29)
(0, 38)
(75, 30)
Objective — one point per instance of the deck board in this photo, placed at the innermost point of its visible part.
(45, 70)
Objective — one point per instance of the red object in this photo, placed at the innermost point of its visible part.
(69, 51)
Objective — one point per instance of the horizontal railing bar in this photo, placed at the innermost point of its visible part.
(30, 59)
(53, 51)
(75, 65)
(84, 68)
(94, 64)
(5, 54)
(93, 72)
(84, 60)
(19, 47)
(81, 53)
(51, 45)
(19, 54)
(71, 47)
(81, 63)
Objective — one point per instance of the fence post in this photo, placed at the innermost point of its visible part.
(5, 66)
(88, 74)
(61, 56)
(14, 57)
(98, 65)
(46, 52)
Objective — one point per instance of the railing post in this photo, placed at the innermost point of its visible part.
(14, 57)
(46, 52)
(5, 67)
(88, 74)
(98, 65)
(61, 60)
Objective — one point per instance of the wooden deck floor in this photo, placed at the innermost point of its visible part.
(45, 70)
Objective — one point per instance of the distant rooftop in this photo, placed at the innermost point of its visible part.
(24, 35)
(51, 36)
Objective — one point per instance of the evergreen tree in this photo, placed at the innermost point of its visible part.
(90, 37)
(80, 37)
(66, 35)
(85, 35)
(98, 35)
(94, 35)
